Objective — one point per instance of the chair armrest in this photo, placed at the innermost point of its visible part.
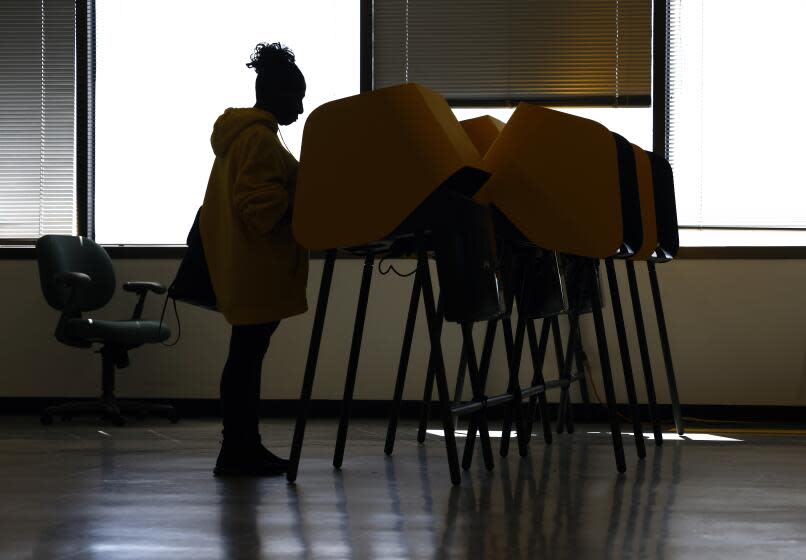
(71, 279)
(143, 287)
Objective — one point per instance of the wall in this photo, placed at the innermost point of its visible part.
(737, 330)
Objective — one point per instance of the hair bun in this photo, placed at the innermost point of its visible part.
(269, 56)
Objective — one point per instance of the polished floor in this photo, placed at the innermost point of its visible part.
(145, 490)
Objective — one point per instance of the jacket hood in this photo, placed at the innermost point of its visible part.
(234, 121)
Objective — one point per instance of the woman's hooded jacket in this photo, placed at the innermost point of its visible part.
(258, 270)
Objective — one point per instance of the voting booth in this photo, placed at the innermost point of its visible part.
(558, 179)
(391, 172)
(570, 185)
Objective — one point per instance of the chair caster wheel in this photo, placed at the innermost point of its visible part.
(173, 418)
(46, 419)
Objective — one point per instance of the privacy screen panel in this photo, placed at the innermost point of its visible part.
(37, 123)
(553, 52)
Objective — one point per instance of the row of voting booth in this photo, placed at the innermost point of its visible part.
(517, 216)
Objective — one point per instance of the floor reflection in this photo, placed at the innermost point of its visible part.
(239, 501)
(530, 507)
(125, 496)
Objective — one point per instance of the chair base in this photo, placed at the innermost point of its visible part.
(109, 409)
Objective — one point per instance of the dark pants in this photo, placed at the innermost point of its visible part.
(240, 381)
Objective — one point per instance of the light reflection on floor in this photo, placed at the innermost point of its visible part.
(145, 491)
(666, 437)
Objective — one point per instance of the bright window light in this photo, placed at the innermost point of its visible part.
(735, 136)
(166, 70)
(633, 123)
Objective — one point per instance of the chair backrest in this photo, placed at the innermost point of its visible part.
(643, 169)
(66, 253)
(630, 201)
(665, 208)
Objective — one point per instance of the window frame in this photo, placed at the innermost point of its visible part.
(85, 141)
(85, 117)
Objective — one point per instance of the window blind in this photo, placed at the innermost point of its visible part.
(555, 52)
(37, 122)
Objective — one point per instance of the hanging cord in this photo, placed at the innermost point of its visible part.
(280, 135)
(667, 420)
(391, 268)
(587, 372)
(178, 322)
(592, 385)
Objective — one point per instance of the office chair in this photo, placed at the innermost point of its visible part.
(77, 276)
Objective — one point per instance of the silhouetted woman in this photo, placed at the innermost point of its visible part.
(259, 272)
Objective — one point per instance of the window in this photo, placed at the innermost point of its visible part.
(37, 123)
(491, 54)
(156, 100)
(166, 70)
(735, 112)
(732, 132)
(553, 52)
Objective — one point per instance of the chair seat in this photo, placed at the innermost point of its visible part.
(119, 332)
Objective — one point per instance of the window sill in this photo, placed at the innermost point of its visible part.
(695, 243)
(738, 237)
(724, 243)
(28, 252)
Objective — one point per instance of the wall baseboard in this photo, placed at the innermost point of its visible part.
(201, 408)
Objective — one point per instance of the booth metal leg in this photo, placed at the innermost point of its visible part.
(538, 353)
(487, 351)
(667, 352)
(352, 364)
(425, 404)
(403, 366)
(646, 363)
(310, 366)
(607, 374)
(579, 357)
(565, 417)
(626, 362)
(434, 330)
(460, 382)
(514, 353)
(460, 375)
(480, 417)
(509, 349)
(517, 403)
(484, 369)
(428, 390)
